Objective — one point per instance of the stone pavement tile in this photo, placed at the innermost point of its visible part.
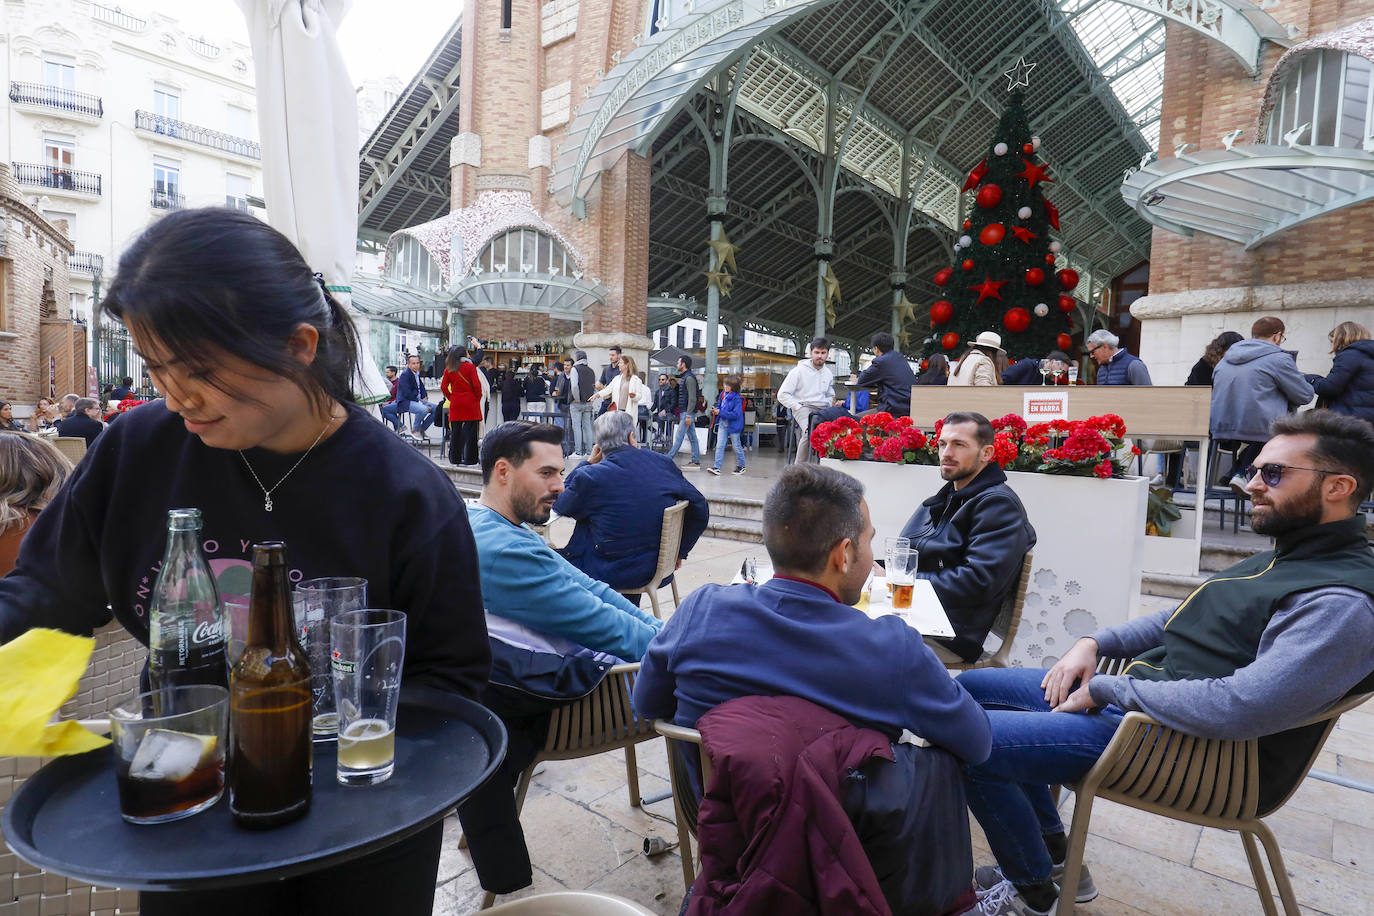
(452, 860)
(1356, 769)
(652, 883)
(574, 844)
(652, 757)
(1349, 742)
(1302, 831)
(585, 779)
(464, 895)
(1320, 884)
(1353, 846)
(1148, 833)
(1333, 800)
(615, 806)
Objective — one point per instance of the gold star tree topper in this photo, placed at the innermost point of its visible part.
(725, 252)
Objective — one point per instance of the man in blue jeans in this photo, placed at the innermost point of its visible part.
(688, 391)
(1254, 652)
(412, 398)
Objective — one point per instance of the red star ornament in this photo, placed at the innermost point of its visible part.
(975, 176)
(1052, 214)
(988, 289)
(1034, 173)
(1024, 234)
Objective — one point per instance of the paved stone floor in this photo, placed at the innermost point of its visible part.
(583, 834)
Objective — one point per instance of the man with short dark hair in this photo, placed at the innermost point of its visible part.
(559, 390)
(972, 535)
(808, 389)
(688, 395)
(581, 385)
(665, 403)
(608, 373)
(122, 390)
(1254, 652)
(412, 398)
(890, 373)
(388, 407)
(84, 421)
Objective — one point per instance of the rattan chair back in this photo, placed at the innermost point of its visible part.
(669, 545)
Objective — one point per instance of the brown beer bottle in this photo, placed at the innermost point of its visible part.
(269, 704)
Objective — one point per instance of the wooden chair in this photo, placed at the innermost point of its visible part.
(1007, 622)
(1204, 781)
(669, 544)
(111, 676)
(685, 791)
(603, 720)
(73, 447)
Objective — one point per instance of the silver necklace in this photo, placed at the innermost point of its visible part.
(266, 493)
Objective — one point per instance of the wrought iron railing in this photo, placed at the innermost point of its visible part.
(203, 47)
(85, 262)
(194, 133)
(56, 97)
(115, 16)
(56, 177)
(168, 200)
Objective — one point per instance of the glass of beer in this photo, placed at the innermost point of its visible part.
(169, 752)
(367, 655)
(901, 577)
(316, 602)
(890, 547)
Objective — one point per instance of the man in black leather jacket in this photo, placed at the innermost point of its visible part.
(972, 535)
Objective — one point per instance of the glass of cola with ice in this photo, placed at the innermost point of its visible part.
(169, 752)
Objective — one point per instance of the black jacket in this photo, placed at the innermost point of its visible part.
(561, 389)
(1023, 372)
(78, 424)
(971, 543)
(892, 376)
(1349, 387)
(1200, 374)
(688, 390)
(535, 388)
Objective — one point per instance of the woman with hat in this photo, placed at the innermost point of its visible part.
(979, 364)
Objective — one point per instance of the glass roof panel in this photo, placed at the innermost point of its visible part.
(1113, 33)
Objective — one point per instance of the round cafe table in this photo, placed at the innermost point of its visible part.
(66, 818)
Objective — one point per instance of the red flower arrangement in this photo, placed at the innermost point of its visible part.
(880, 436)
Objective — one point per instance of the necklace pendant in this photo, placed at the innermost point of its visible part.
(267, 504)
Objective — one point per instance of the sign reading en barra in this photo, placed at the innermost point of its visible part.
(1040, 408)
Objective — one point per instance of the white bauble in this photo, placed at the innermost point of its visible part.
(1024, 212)
(1041, 309)
(965, 241)
(1035, 143)
(1000, 149)
(1055, 246)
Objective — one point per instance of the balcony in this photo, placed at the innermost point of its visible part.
(56, 178)
(57, 98)
(85, 263)
(168, 200)
(115, 16)
(200, 136)
(203, 47)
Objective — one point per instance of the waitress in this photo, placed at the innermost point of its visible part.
(259, 431)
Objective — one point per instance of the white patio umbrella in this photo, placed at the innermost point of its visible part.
(308, 118)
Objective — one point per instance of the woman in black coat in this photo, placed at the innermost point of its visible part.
(1349, 387)
(512, 392)
(1201, 373)
(937, 371)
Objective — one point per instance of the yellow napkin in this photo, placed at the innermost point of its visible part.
(39, 672)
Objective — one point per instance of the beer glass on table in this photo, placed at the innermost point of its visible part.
(890, 548)
(901, 576)
(316, 602)
(169, 752)
(368, 653)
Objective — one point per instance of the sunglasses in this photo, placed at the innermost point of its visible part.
(1272, 473)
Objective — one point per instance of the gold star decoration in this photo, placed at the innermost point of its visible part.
(905, 309)
(903, 339)
(720, 280)
(725, 252)
(832, 294)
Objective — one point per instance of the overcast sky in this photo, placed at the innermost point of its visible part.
(379, 37)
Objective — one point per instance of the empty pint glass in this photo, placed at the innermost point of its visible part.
(316, 603)
(169, 752)
(368, 653)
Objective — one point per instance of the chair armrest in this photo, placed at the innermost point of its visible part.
(677, 732)
(625, 668)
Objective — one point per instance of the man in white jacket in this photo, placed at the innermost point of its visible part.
(808, 389)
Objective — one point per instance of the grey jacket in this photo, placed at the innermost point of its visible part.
(1254, 383)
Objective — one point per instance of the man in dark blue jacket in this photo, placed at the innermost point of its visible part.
(617, 498)
(412, 398)
(972, 535)
(890, 374)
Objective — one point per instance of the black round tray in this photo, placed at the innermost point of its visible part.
(65, 818)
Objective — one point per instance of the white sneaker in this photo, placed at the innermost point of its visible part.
(714, 472)
(1003, 900)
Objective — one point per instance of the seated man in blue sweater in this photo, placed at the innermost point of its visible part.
(526, 585)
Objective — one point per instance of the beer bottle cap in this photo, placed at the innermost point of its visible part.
(269, 553)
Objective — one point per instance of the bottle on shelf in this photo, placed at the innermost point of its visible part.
(270, 707)
(186, 639)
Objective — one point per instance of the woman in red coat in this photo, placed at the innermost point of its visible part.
(461, 385)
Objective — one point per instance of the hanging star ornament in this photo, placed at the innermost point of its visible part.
(832, 286)
(1033, 173)
(905, 309)
(1019, 75)
(725, 252)
(989, 289)
(720, 280)
(1024, 234)
(903, 339)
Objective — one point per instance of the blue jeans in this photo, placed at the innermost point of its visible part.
(423, 413)
(720, 449)
(1032, 749)
(581, 416)
(389, 415)
(686, 427)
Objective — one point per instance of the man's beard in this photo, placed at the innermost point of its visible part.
(1303, 512)
(529, 509)
(957, 473)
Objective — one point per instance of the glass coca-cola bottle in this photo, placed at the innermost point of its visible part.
(270, 704)
(186, 638)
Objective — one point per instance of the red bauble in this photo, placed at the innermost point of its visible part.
(1064, 341)
(1028, 148)
(1016, 320)
(968, 264)
(968, 224)
(1049, 259)
(1068, 278)
(942, 276)
(949, 341)
(989, 196)
(992, 234)
(941, 312)
(1035, 276)
(1066, 304)
(925, 364)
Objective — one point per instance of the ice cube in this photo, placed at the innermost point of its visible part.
(169, 756)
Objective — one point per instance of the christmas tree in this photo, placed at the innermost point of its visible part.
(1003, 278)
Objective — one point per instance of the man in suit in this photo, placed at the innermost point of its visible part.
(412, 398)
(890, 374)
(84, 421)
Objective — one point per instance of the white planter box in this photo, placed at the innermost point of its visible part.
(1090, 545)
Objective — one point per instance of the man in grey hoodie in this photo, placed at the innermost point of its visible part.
(1254, 384)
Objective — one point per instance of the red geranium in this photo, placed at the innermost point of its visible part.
(1004, 450)
(1103, 469)
(851, 447)
(1012, 424)
(891, 450)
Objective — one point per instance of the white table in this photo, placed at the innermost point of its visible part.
(926, 615)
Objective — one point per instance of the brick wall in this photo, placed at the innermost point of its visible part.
(34, 252)
(517, 325)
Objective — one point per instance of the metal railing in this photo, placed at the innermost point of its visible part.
(85, 262)
(193, 133)
(168, 200)
(56, 97)
(115, 16)
(203, 47)
(55, 177)
(236, 203)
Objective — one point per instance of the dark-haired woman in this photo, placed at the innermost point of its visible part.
(7, 421)
(1201, 373)
(462, 385)
(937, 371)
(258, 431)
